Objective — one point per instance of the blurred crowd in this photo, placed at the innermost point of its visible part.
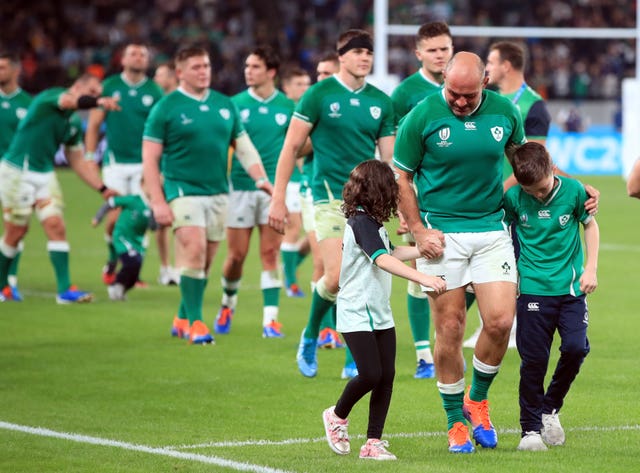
(58, 40)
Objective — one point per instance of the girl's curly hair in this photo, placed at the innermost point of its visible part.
(373, 188)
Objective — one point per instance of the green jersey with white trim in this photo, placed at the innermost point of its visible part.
(13, 108)
(411, 91)
(41, 132)
(196, 135)
(457, 161)
(346, 125)
(132, 223)
(551, 257)
(125, 126)
(266, 122)
(535, 117)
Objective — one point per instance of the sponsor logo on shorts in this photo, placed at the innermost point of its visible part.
(506, 268)
(533, 307)
(585, 319)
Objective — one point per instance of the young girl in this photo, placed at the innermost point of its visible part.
(364, 313)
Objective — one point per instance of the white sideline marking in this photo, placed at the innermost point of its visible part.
(164, 451)
(247, 443)
(616, 247)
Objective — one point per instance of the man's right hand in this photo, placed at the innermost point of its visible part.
(162, 213)
(430, 242)
(278, 215)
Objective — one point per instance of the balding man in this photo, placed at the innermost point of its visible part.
(454, 143)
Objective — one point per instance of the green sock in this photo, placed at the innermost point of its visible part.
(480, 385)
(300, 257)
(5, 264)
(419, 318)
(348, 357)
(13, 267)
(182, 311)
(452, 404)
(271, 296)
(113, 256)
(192, 291)
(59, 256)
(319, 307)
(469, 298)
(329, 319)
(290, 263)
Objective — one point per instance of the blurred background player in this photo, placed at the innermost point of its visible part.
(128, 239)
(14, 103)
(434, 48)
(165, 77)
(265, 113)
(122, 162)
(294, 248)
(26, 174)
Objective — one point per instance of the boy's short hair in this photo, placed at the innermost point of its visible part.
(531, 163)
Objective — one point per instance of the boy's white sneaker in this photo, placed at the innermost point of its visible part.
(532, 442)
(552, 431)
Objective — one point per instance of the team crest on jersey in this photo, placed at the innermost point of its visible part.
(564, 219)
(147, 100)
(335, 110)
(244, 114)
(133, 92)
(375, 112)
(225, 113)
(21, 113)
(5, 105)
(444, 134)
(281, 118)
(498, 133)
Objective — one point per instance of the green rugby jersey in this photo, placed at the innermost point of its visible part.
(13, 108)
(132, 223)
(411, 91)
(125, 127)
(41, 132)
(457, 161)
(535, 117)
(551, 257)
(346, 125)
(196, 135)
(266, 122)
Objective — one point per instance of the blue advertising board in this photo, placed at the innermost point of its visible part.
(595, 151)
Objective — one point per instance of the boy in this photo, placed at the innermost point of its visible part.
(547, 210)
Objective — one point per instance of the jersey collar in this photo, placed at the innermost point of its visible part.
(132, 84)
(354, 91)
(257, 98)
(191, 96)
(430, 81)
(11, 95)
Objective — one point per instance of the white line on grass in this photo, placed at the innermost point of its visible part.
(616, 247)
(249, 443)
(164, 451)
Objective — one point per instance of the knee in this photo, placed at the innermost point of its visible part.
(498, 327)
(370, 376)
(577, 349)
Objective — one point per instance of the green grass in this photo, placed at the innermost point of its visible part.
(111, 371)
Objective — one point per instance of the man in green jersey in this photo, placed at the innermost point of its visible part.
(434, 48)
(454, 142)
(346, 118)
(548, 211)
(295, 82)
(26, 174)
(122, 162)
(165, 77)
(265, 113)
(191, 130)
(14, 103)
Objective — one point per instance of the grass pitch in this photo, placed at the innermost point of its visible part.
(102, 387)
